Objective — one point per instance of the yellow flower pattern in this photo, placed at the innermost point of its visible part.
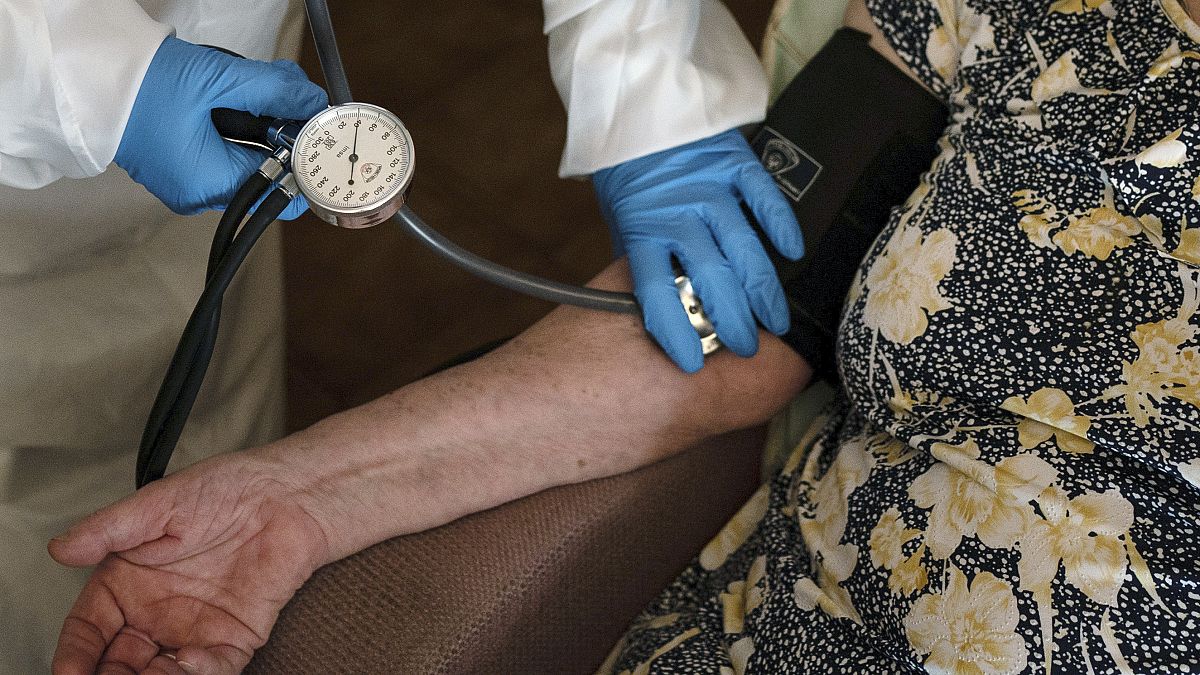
(888, 539)
(1008, 480)
(1054, 79)
(1164, 369)
(903, 283)
(910, 575)
(1049, 412)
(824, 527)
(736, 532)
(1165, 154)
(968, 628)
(907, 572)
(1188, 249)
(963, 37)
(1190, 471)
(1084, 535)
(1172, 58)
(1155, 184)
(743, 596)
(1095, 233)
(968, 497)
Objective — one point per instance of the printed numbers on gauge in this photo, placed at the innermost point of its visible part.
(353, 157)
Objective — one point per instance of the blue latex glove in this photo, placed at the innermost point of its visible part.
(169, 144)
(685, 202)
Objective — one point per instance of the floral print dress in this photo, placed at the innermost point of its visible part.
(1010, 479)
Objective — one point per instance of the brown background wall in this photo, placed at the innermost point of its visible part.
(371, 310)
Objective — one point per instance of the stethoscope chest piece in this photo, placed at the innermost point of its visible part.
(703, 326)
(354, 162)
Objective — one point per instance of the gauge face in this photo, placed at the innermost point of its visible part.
(353, 159)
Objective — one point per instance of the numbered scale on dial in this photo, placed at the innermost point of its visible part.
(354, 163)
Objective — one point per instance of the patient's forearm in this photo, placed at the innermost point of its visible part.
(580, 395)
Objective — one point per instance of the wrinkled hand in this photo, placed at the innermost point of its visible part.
(685, 203)
(170, 145)
(196, 565)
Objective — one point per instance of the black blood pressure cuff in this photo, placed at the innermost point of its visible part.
(846, 142)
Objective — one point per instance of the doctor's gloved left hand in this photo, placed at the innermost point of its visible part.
(170, 145)
(685, 204)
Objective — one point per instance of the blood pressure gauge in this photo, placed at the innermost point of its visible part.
(354, 163)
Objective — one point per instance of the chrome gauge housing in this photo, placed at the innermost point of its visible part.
(354, 162)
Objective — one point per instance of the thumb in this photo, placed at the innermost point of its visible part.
(278, 89)
(133, 521)
(296, 209)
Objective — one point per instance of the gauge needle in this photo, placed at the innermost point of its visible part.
(354, 152)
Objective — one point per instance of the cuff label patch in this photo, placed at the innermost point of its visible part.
(793, 169)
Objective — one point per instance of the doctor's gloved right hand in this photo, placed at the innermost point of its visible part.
(685, 203)
(170, 145)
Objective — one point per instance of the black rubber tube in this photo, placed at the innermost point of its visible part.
(250, 192)
(181, 367)
(186, 373)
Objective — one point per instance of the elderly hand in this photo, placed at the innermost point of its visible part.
(195, 566)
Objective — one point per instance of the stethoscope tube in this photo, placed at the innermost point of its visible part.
(321, 25)
(185, 375)
(528, 284)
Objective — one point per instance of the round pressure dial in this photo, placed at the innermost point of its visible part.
(354, 163)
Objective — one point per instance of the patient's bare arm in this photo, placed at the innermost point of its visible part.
(202, 561)
(580, 395)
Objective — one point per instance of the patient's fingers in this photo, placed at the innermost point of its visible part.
(129, 652)
(87, 631)
(79, 647)
(217, 660)
(163, 665)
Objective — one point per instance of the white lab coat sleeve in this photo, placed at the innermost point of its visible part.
(69, 73)
(639, 76)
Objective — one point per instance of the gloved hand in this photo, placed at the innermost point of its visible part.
(684, 202)
(170, 145)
